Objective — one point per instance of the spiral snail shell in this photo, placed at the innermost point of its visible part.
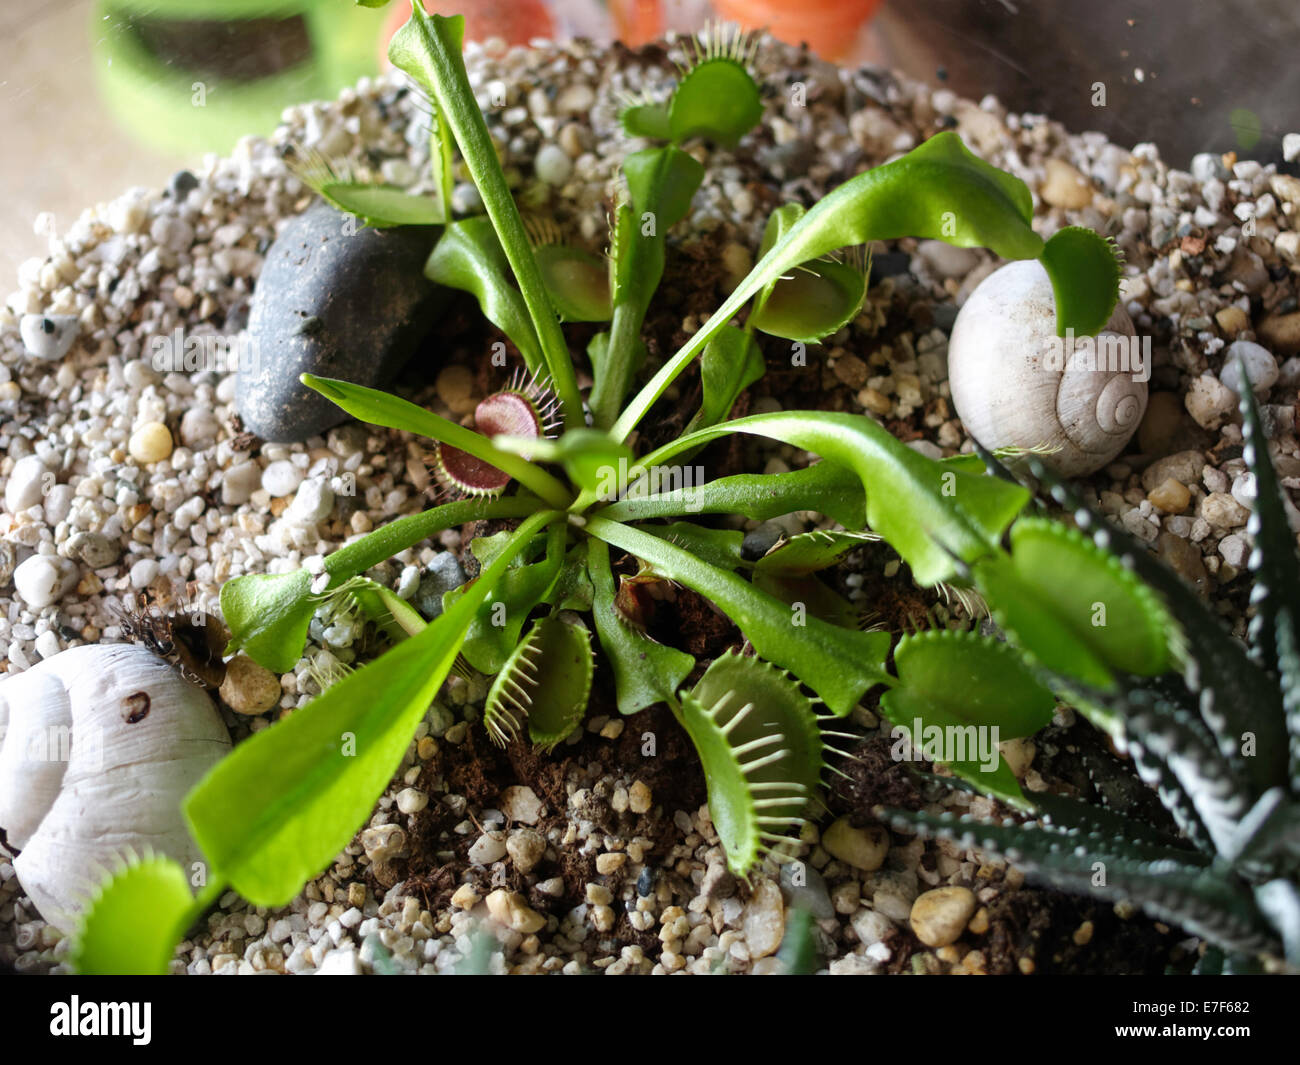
(98, 745)
(1075, 402)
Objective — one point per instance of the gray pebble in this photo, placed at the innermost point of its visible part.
(442, 575)
(48, 336)
(805, 888)
(553, 165)
(182, 184)
(199, 428)
(758, 542)
(1261, 367)
(239, 482)
(94, 549)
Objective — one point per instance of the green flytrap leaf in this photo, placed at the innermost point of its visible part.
(382, 206)
(970, 693)
(825, 487)
(134, 920)
(268, 615)
(428, 47)
(591, 459)
(815, 300)
(281, 806)
(809, 594)
(469, 257)
(660, 185)
(716, 99)
(811, 551)
(730, 364)
(717, 547)
(1085, 271)
(545, 684)
(578, 282)
(494, 632)
(392, 614)
(939, 190)
(758, 740)
(647, 120)
(645, 672)
(839, 664)
(1077, 610)
(812, 301)
(375, 204)
(950, 513)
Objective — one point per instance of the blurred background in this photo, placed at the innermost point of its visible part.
(99, 95)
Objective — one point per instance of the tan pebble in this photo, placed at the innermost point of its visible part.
(249, 688)
(1018, 754)
(1232, 320)
(151, 442)
(851, 371)
(89, 585)
(465, 897)
(1083, 934)
(862, 848)
(764, 919)
(979, 924)
(1171, 496)
(1026, 966)
(511, 910)
(1185, 558)
(1064, 186)
(1286, 188)
(455, 387)
(875, 401)
(1281, 333)
(184, 297)
(526, 847)
(1222, 511)
(426, 748)
(639, 798)
(610, 863)
(737, 261)
(1160, 425)
(939, 916)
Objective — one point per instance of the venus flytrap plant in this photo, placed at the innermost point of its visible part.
(284, 803)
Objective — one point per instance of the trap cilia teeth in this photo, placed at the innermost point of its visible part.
(525, 408)
(544, 684)
(763, 752)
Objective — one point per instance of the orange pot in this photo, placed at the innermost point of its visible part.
(829, 26)
(637, 22)
(515, 21)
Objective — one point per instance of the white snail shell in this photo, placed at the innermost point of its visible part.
(98, 746)
(1015, 384)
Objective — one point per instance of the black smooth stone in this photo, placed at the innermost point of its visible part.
(758, 542)
(334, 299)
